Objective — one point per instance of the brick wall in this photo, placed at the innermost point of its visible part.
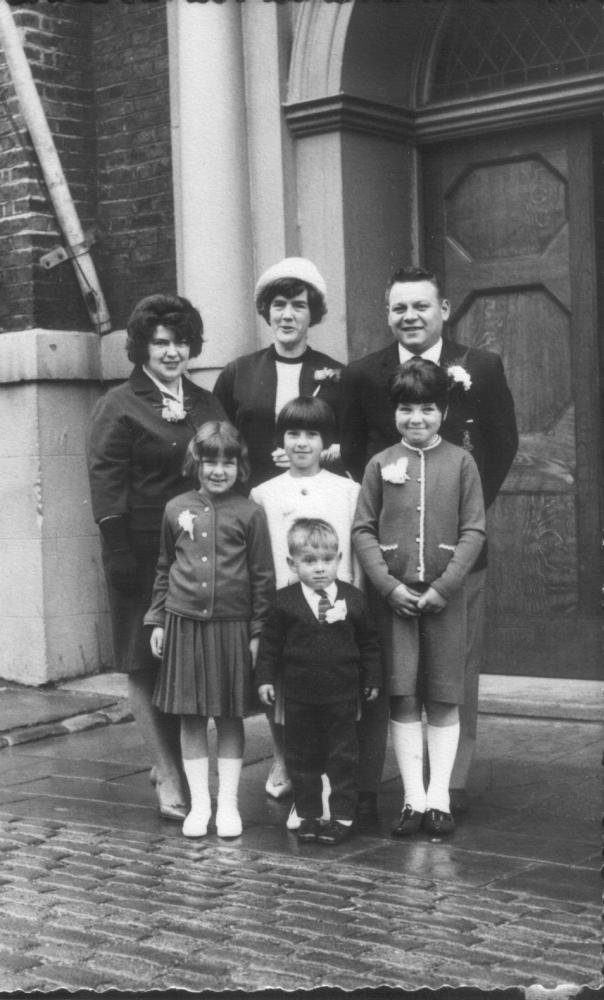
(134, 164)
(55, 38)
(102, 73)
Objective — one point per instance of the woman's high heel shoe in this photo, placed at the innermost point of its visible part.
(176, 811)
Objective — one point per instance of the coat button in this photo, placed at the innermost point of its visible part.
(204, 584)
(417, 539)
(204, 534)
(206, 510)
(204, 558)
(418, 508)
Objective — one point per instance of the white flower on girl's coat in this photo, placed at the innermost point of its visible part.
(185, 521)
(459, 374)
(396, 472)
(337, 613)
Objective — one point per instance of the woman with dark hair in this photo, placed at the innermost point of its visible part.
(291, 297)
(136, 442)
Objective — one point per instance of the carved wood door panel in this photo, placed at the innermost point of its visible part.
(508, 223)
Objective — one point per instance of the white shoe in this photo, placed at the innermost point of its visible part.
(277, 789)
(293, 820)
(228, 821)
(196, 823)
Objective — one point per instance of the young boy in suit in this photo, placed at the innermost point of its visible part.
(319, 633)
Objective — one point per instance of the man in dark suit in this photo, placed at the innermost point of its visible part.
(481, 419)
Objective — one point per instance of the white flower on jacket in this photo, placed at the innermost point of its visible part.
(396, 472)
(327, 375)
(185, 521)
(173, 411)
(337, 613)
(459, 374)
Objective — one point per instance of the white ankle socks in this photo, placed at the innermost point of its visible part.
(408, 744)
(442, 747)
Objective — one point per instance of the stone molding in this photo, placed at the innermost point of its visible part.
(541, 104)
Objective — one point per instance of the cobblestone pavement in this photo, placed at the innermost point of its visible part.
(96, 892)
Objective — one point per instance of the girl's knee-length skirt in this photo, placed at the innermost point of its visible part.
(425, 656)
(206, 668)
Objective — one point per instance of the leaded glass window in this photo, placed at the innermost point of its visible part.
(512, 43)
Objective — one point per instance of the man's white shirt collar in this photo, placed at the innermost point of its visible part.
(313, 598)
(432, 354)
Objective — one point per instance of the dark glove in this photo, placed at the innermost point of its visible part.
(121, 564)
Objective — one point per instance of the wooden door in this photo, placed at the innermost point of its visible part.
(508, 223)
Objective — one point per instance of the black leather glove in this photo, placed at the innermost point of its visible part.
(122, 562)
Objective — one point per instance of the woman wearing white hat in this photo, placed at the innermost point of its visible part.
(291, 296)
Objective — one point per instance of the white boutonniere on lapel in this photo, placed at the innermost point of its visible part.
(460, 376)
(172, 410)
(185, 521)
(323, 375)
(337, 613)
(396, 472)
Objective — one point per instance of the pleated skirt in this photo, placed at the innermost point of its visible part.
(206, 668)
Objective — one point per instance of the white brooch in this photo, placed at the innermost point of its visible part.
(185, 521)
(337, 613)
(173, 411)
(396, 472)
(459, 374)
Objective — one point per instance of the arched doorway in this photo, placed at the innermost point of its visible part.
(499, 118)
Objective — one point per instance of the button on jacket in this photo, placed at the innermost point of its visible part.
(215, 561)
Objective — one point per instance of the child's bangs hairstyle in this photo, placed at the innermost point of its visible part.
(420, 381)
(216, 439)
(311, 531)
(307, 413)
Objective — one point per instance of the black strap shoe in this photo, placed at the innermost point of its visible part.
(409, 823)
(437, 823)
(307, 831)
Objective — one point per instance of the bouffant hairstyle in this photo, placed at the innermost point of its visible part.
(409, 272)
(216, 439)
(289, 288)
(172, 311)
(420, 381)
(309, 414)
(313, 531)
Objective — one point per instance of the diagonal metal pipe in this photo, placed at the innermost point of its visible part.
(44, 145)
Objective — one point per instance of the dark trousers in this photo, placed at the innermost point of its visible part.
(322, 739)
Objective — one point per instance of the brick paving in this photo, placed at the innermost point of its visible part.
(83, 907)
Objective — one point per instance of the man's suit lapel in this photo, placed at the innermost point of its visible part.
(265, 381)
(452, 354)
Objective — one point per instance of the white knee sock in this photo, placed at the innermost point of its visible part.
(408, 744)
(228, 820)
(196, 822)
(442, 747)
(196, 771)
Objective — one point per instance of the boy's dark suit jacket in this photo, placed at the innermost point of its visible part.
(480, 419)
(319, 662)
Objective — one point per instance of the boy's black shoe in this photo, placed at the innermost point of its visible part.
(334, 833)
(307, 831)
(437, 823)
(409, 823)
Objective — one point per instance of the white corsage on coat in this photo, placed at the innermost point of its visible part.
(396, 472)
(460, 375)
(173, 411)
(337, 613)
(185, 521)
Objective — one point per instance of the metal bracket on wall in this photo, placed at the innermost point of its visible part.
(59, 254)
